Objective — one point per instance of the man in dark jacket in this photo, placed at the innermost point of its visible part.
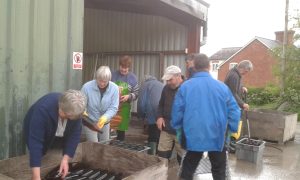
(147, 107)
(52, 117)
(167, 139)
(234, 81)
(189, 60)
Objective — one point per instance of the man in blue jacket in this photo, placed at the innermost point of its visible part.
(147, 106)
(204, 108)
(54, 116)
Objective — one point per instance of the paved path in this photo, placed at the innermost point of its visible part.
(283, 164)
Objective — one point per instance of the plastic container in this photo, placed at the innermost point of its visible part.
(250, 152)
(129, 146)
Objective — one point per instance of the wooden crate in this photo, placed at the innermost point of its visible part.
(271, 125)
(133, 165)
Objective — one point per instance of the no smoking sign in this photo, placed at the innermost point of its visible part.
(77, 60)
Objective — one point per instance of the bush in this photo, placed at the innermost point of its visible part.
(292, 97)
(261, 96)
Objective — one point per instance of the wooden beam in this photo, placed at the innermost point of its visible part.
(194, 34)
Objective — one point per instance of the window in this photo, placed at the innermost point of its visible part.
(232, 65)
(214, 66)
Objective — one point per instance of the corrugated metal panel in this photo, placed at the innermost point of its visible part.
(37, 39)
(112, 31)
(107, 31)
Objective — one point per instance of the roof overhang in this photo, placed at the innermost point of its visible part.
(182, 11)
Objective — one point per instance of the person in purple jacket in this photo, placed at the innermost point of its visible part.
(54, 117)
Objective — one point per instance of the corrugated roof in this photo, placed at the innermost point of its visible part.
(224, 53)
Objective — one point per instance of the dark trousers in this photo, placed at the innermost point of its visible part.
(192, 159)
(120, 135)
(153, 133)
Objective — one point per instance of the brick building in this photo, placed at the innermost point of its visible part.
(258, 51)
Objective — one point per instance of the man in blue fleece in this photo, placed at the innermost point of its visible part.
(204, 108)
(54, 116)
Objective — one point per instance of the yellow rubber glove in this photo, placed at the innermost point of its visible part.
(238, 133)
(102, 120)
(85, 114)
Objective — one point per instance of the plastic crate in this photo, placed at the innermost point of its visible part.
(251, 153)
(129, 146)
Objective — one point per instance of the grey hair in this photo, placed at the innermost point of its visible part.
(73, 102)
(201, 62)
(103, 73)
(245, 64)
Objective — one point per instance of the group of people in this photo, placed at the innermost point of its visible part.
(195, 115)
(55, 120)
(190, 115)
(109, 94)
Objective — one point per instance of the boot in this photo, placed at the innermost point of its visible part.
(153, 146)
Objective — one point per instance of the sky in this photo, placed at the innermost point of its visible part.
(234, 23)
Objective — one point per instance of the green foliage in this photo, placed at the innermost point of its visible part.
(262, 96)
(291, 75)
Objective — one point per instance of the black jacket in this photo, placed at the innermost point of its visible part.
(233, 81)
(165, 107)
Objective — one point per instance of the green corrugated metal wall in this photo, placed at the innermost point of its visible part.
(37, 38)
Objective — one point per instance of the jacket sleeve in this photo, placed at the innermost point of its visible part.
(178, 110)
(134, 90)
(36, 137)
(233, 84)
(114, 105)
(234, 113)
(72, 138)
(141, 103)
(161, 104)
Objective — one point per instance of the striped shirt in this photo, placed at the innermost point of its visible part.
(132, 82)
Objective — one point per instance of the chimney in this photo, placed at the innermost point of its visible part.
(290, 36)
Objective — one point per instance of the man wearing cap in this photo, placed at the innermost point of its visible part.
(167, 140)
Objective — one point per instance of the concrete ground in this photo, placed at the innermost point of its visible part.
(279, 162)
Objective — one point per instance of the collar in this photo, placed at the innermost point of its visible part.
(96, 87)
(201, 74)
(237, 71)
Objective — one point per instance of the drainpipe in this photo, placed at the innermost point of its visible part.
(204, 34)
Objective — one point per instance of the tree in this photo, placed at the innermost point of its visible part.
(291, 74)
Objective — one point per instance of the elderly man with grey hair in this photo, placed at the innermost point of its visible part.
(53, 119)
(102, 103)
(234, 81)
